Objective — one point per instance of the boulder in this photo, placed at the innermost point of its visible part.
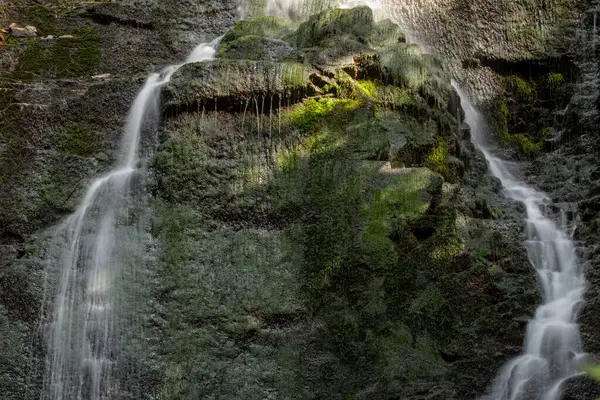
(22, 31)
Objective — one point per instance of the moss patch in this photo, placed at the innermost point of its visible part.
(261, 26)
(357, 21)
(76, 56)
(79, 140)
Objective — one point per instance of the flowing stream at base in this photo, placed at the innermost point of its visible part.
(93, 259)
(552, 348)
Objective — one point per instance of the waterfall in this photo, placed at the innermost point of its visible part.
(94, 258)
(552, 348)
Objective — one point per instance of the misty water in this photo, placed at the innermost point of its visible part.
(96, 255)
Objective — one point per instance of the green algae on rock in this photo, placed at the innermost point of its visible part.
(350, 170)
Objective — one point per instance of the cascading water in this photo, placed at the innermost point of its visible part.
(94, 261)
(552, 348)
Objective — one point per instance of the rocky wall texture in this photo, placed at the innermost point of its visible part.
(324, 228)
(65, 96)
(319, 224)
(536, 66)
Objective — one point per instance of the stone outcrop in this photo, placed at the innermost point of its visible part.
(357, 211)
(321, 224)
(17, 31)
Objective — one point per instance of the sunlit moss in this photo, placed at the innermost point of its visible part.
(311, 112)
(526, 145)
(370, 88)
(523, 90)
(438, 160)
(262, 26)
(405, 66)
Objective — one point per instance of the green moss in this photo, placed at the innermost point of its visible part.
(307, 115)
(357, 22)
(556, 79)
(395, 205)
(66, 58)
(525, 145)
(404, 65)
(519, 141)
(521, 89)
(261, 26)
(438, 156)
(78, 140)
(370, 88)
(386, 95)
(556, 87)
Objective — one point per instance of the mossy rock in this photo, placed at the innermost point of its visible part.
(252, 47)
(231, 84)
(336, 51)
(228, 84)
(357, 22)
(410, 140)
(79, 140)
(386, 33)
(66, 57)
(262, 26)
(403, 64)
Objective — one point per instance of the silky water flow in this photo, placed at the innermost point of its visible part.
(93, 255)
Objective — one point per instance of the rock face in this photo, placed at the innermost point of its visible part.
(320, 225)
(22, 31)
(341, 187)
(59, 127)
(505, 30)
(537, 67)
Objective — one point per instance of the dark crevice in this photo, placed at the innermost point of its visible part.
(267, 103)
(107, 19)
(11, 238)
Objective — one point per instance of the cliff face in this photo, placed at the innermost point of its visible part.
(319, 225)
(64, 104)
(536, 67)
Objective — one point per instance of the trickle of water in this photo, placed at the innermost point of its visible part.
(92, 259)
(552, 348)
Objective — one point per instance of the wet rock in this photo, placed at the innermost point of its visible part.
(256, 48)
(581, 388)
(27, 31)
(230, 84)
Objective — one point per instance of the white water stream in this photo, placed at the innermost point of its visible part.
(552, 348)
(85, 331)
